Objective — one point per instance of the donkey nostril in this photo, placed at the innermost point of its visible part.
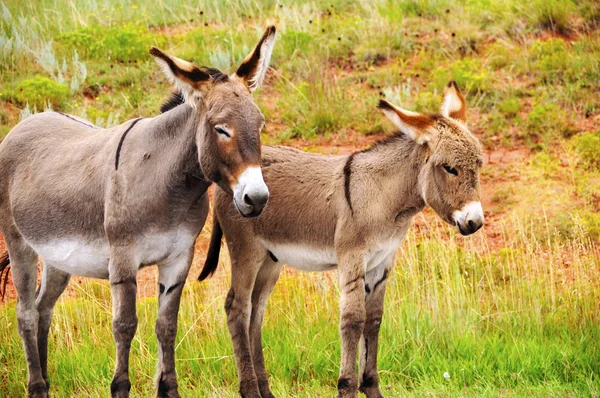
(247, 200)
(472, 225)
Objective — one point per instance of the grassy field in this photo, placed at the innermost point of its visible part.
(511, 311)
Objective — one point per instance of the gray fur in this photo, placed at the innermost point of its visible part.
(63, 194)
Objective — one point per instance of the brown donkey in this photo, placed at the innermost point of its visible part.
(103, 203)
(350, 212)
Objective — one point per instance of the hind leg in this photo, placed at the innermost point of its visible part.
(263, 286)
(54, 282)
(24, 273)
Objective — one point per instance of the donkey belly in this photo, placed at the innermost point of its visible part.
(304, 258)
(76, 257)
(308, 258)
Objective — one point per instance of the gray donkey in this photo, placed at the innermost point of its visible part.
(350, 212)
(103, 203)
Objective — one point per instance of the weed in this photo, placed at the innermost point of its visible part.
(547, 121)
(127, 43)
(39, 91)
(588, 149)
(510, 107)
(469, 73)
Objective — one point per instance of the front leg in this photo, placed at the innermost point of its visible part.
(122, 271)
(352, 320)
(376, 280)
(171, 280)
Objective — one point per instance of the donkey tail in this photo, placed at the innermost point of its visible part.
(4, 268)
(214, 249)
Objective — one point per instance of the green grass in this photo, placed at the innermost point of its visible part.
(519, 321)
(511, 311)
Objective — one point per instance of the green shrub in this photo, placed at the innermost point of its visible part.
(553, 15)
(547, 121)
(469, 73)
(500, 55)
(39, 91)
(580, 223)
(126, 43)
(550, 59)
(510, 106)
(588, 149)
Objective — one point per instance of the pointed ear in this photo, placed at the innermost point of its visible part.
(454, 104)
(414, 125)
(253, 69)
(192, 81)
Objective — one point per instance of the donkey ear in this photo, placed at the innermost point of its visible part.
(414, 125)
(253, 69)
(192, 81)
(454, 104)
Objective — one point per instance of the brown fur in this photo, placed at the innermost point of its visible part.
(353, 209)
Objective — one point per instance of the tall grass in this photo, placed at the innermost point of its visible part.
(460, 319)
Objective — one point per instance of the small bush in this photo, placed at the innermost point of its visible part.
(127, 43)
(510, 107)
(500, 55)
(39, 91)
(580, 223)
(470, 75)
(551, 59)
(588, 149)
(553, 15)
(547, 121)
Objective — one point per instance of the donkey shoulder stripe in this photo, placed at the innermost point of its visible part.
(121, 142)
(77, 120)
(347, 172)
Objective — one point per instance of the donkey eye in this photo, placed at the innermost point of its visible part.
(450, 170)
(222, 131)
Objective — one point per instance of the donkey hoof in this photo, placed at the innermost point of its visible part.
(120, 388)
(250, 393)
(167, 386)
(346, 388)
(37, 390)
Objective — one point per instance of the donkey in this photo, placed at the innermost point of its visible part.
(350, 212)
(103, 203)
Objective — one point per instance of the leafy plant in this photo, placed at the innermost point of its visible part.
(40, 91)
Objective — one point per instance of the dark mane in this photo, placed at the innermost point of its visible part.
(176, 98)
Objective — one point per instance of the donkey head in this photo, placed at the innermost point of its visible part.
(449, 180)
(229, 121)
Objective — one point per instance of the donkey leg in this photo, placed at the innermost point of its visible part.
(24, 273)
(123, 287)
(352, 320)
(171, 280)
(376, 280)
(54, 282)
(238, 307)
(263, 286)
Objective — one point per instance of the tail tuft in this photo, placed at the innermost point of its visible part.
(214, 249)
(4, 271)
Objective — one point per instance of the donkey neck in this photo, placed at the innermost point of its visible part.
(392, 168)
(175, 132)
